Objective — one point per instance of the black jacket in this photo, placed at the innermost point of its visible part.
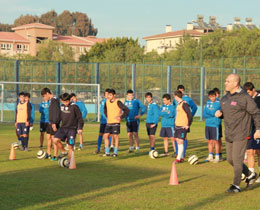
(54, 111)
(238, 110)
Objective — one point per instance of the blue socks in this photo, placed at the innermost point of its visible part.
(99, 142)
(26, 142)
(107, 150)
(115, 150)
(152, 148)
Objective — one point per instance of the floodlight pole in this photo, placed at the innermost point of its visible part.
(202, 90)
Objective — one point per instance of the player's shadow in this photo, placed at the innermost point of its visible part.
(190, 179)
(38, 186)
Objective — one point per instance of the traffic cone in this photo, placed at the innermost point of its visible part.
(173, 177)
(72, 161)
(12, 153)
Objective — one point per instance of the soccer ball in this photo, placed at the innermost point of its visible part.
(15, 145)
(193, 160)
(243, 177)
(153, 154)
(41, 154)
(64, 162)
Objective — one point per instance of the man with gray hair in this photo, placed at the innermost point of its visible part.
(238, 109)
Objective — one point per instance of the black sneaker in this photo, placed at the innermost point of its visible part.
(233, 189)
(174, 155)
(105, 155)
(96, 151)
(114, 155)
(251, 181)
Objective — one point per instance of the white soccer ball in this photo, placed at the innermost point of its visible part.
(153, 154)
(15, 145)
(243, 177)
(64, 162)
(193, 160)
(41, 154)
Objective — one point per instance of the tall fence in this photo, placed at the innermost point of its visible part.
(158, 78)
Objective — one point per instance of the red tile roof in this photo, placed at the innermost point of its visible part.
(175, 33)
(11, 36)
(33, 25)
(94, 39)
(88, 41)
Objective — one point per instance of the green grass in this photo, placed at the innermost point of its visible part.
(131, 181)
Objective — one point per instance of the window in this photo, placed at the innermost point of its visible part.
(19, 47)
(2, 46)
(9, 46)
(40, 39)
(25, 47)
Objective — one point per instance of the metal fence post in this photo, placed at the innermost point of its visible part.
(16, 69)
(58, 78)
(97, 81)
(169, 81)
(202, 90)
(134, 78)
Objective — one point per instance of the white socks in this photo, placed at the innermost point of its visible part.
(180, 151)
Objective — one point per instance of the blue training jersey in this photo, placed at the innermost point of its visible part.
(82, 109)
(153, 113)
(103, 118)
(209, 113)
(32, 113)
(44, 110)
(134, 107)
(190, 102)
(168, 113)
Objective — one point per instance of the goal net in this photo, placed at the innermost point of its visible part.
(89, 94)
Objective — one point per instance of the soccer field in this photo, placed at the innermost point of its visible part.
(130, 181)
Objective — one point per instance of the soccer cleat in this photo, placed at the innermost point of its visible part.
(111, 149)
(177, 161)
(80, 148)
(130, 151)
(250, 181)
(114, 155)
(216, 160)
(208, 159)
(182, 160)
(258, 180)
(47, 156)
(96, 151)
(233, 189)
(21, 149)
(62, 155)
(26, 149)
(105, 155)
(54, 159)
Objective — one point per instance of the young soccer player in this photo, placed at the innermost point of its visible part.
(44, 121)
(54, 121)
(114, 110)
(27, 98)
(152, 119)
(182, 124)
(212, 126)
(132, 119)
(22, 121)
(72, 123)
(103, 122)
(167, 112)
(217, 91)
(84, 113)
(193, 108)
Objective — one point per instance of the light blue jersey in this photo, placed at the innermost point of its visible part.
(82, 109)
(209, 113)
(44, 110)
(168, 113)
(153, 113)
(134, 107)
(32, 113)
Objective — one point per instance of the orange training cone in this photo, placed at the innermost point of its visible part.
(173, 177)
(12, 153)
(72, 161)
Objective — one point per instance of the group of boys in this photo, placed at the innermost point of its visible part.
(70, 114)
(176, 121)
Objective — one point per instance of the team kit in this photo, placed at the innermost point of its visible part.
(62, 119)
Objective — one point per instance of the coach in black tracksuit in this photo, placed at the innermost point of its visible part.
(238, 109)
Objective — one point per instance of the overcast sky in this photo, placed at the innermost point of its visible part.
(136, 18)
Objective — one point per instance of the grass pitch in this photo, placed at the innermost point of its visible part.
(130, 181)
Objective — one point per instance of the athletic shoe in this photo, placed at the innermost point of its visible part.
(47, 156)
(174, 155)
(111, 149)
(105, 155)
(26, 149)
(258, 180)
(250, 181)
(54, 159)
(62, 155)
(182, 160)
(164, 154)
(208, 159)
(233, 189)
(114, 155)
(80, 148)
(21, 149)
(130, 151)
(41, 147)
(177, 161)
(96, 151)
(216, 161)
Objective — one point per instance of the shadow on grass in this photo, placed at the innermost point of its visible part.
(49, 184)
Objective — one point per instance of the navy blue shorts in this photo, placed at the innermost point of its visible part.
(220, 131)
(102, 128)
(43, 126)
(67, 134)
(113, 128)
(132, 126)
(167, 132)
(212, 133)
(22, 129)
(50, 131)
(180, 132)
(150, 131)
